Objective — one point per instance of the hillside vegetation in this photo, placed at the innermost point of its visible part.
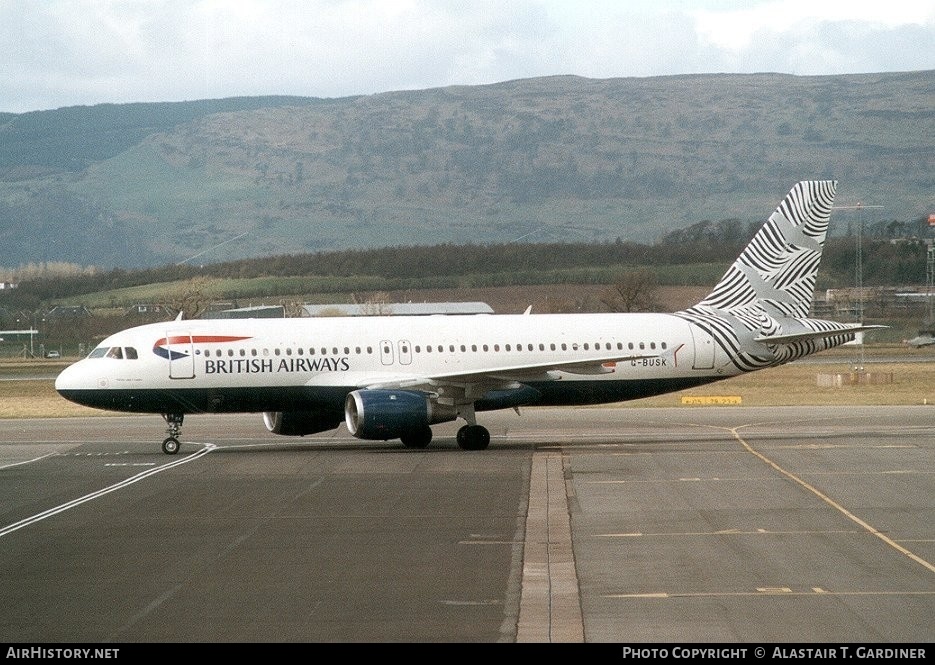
(557, 159)
(666, 276)
(696, 257)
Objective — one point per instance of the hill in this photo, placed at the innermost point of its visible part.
(550, 159)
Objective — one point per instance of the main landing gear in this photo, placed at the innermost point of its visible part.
(473, 437)
(417, 438)
(470, 437)
(171, 445)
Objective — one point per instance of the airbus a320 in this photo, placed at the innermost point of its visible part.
(392, 377)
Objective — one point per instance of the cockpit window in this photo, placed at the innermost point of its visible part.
(99, 352)
(130, 353)
(115, 352)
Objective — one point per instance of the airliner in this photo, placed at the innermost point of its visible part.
(393, 377)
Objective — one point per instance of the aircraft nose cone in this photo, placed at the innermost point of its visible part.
(71, 381)
(64, 379)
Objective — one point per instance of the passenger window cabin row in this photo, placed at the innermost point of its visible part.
(130, 353)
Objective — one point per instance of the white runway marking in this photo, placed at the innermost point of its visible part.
(29, 461)
(104, 491)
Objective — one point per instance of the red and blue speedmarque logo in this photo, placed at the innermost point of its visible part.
(177, 346)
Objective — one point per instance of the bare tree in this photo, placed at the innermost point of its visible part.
(377, 305)
(190, 298)
(633, 291)
(292, 309)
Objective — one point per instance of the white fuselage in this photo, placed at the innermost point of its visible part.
(346, 353)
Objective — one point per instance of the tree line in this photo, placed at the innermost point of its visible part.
(886, 261)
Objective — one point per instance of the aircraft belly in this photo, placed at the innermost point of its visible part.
(595, 391)
(253, 399)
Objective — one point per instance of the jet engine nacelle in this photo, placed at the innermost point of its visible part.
(300, 423)
(388, 414)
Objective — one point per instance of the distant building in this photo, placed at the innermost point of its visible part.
(258, 312)
(351, 309)
(880, 299)
(397, 309)
(214, 307)
(68, 313)
(146, 308)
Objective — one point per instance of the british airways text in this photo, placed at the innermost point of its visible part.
(269, 366)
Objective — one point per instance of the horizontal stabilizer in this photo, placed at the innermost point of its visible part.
(792, 338)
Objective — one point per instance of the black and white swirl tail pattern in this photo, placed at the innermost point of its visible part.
(767, 292)
(777, 270)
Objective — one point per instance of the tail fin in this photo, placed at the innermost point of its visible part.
(758, 313)
(777, 270)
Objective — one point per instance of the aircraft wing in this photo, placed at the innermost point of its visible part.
(921, 340)
(492, 377)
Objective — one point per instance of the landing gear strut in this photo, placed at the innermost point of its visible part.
(472, 436)
(171, 445)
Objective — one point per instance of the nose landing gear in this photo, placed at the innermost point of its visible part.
(171, 445)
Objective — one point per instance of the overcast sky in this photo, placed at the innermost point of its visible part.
(58, 53)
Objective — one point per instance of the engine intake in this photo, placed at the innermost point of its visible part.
(389, 414)
(300, 423)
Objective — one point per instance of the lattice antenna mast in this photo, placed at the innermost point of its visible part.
(859, 261)
(859, 267)
(930, 284)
